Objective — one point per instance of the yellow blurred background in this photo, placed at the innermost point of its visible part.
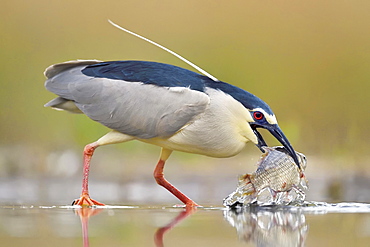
(309, 60)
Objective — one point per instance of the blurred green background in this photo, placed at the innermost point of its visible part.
(309, 60)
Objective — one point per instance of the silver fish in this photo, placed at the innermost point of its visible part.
(277, 172)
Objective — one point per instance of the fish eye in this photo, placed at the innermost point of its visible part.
(257, 115)
(303, 160)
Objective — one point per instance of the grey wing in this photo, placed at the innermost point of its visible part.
(133, 108)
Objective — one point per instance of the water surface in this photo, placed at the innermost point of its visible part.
(315, 224)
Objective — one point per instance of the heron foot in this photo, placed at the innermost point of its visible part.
(192, 204)
(85, 200)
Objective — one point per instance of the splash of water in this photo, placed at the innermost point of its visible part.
(265, 197)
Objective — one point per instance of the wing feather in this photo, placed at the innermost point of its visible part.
(133, 108)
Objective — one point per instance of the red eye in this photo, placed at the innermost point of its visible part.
(257, 115)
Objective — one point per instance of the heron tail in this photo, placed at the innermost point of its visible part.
(63, 104)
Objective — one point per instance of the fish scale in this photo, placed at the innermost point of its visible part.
(276, 171)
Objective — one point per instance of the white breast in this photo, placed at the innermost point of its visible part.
(221, 131)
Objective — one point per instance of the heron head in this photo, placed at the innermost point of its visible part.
(258, 114)
(265, 119)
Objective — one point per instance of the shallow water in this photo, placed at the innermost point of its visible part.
(33, 211)
(314, 224)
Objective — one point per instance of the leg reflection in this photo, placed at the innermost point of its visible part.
(85, 213)
(158, 236)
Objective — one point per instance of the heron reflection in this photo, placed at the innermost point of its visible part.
(86, 212)
(158, 236)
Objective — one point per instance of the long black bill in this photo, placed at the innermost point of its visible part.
(279, 135)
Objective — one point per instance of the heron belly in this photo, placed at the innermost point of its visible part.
(221, 131)
(220, 147)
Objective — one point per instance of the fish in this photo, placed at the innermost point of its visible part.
(276, 172)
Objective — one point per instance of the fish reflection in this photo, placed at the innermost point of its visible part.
(268, 225)
(85, 213)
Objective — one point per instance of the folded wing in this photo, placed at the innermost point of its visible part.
(134, 108)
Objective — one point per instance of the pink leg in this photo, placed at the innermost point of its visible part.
(159, 177)
(85, 199)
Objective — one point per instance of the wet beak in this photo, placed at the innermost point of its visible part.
(279, 135)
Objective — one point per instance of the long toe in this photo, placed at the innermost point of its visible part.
(192, 204)
(85, 200)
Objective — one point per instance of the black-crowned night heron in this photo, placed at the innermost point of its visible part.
(164, 105)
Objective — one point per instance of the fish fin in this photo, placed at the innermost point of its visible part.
(246, 178)
(244, 193)
(300, 193)
(304, 181)
(274, 195)
(246, 185)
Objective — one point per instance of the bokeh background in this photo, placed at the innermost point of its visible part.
(309, 60)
